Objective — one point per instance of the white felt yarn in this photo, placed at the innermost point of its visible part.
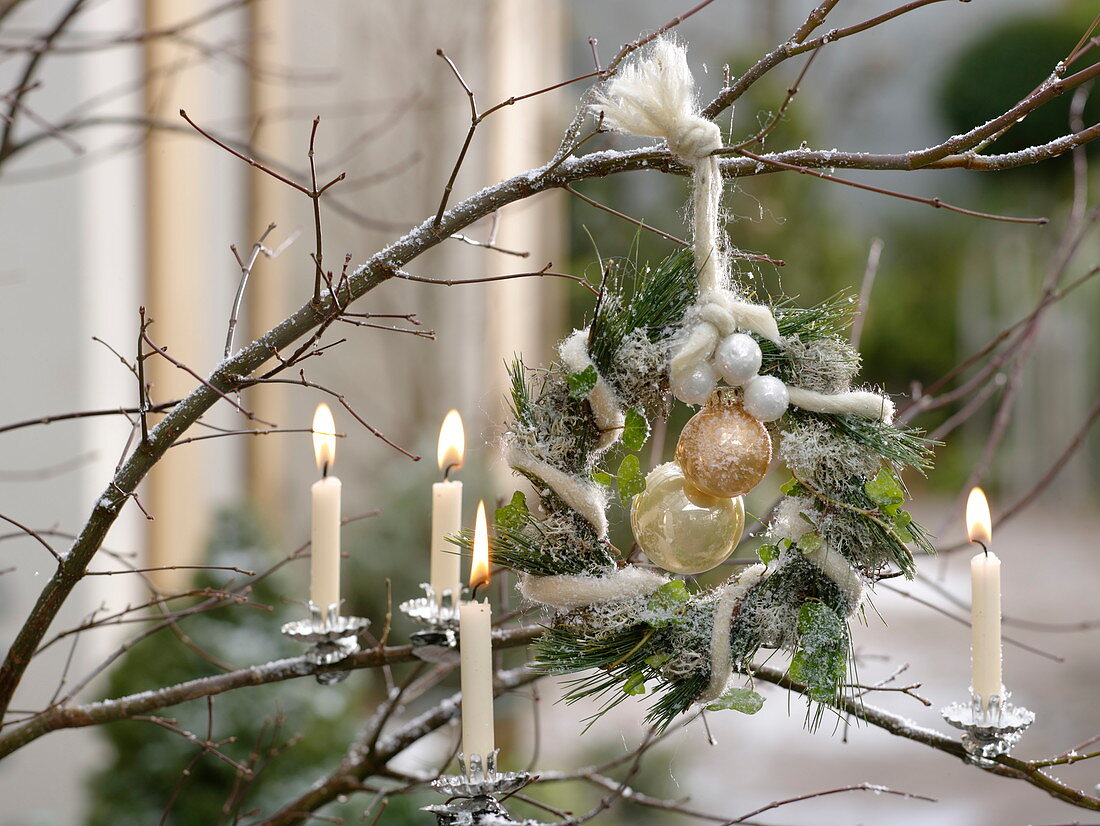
(575, 591)
(696, 346)
(840, 571)
(607, 410)
(654, 95)
(721, 666)
(585, 497)
(848, 403)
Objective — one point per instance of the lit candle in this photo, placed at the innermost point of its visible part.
(447, 510)
(985, 602)
(476, 646)
(324, 569)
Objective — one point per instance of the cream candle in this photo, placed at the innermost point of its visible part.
(476, 646)
(446, 562)
(985, 602)
(324, 569)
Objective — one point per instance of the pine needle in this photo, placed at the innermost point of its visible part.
(639, 298)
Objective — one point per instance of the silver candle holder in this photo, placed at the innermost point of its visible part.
(438, 641)
(480, 777)
(333, 637)
(992, 728)
(473, 792)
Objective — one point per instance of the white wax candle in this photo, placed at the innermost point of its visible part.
(324, 566)
(985, 617)
(446, 520)
(475, 630)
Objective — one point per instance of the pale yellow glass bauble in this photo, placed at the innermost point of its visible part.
(682, 529)
(723, 450)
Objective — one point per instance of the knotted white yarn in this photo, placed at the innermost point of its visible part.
(654, 95)
(607, 410)
(715, 315)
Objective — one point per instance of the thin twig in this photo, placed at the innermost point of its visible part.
(935, 203)
(302, 381)
(858, 787)
(869, 273)
(543, 273)
(246, 271)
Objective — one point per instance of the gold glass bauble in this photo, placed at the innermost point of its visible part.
(682, 529)
(724, 451)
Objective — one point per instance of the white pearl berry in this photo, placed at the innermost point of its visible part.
(766, 398)
(696, 386)
(737, 358)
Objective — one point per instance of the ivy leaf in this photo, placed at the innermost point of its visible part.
(809, 542)
(635, 431)
(581, 384)
(602, 477)
(744, 700)
(631, 480)
(655, 661)
(635, 683)
(671, 600)
(819, 626)
(515, 514)
(673, 592)
(885, 490)
(767, 553)
(792, 487)
(821, 662)
(901, 530)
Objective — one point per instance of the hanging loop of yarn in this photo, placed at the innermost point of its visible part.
(654, 96)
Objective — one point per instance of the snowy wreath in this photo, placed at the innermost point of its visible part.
(682, 329)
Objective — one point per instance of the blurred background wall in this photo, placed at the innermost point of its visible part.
(148, 218)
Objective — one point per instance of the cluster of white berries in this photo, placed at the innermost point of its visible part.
(736, 359)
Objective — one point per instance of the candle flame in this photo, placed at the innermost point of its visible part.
(479, 572)
(979, 525)
(324, 437)
(452, 442)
